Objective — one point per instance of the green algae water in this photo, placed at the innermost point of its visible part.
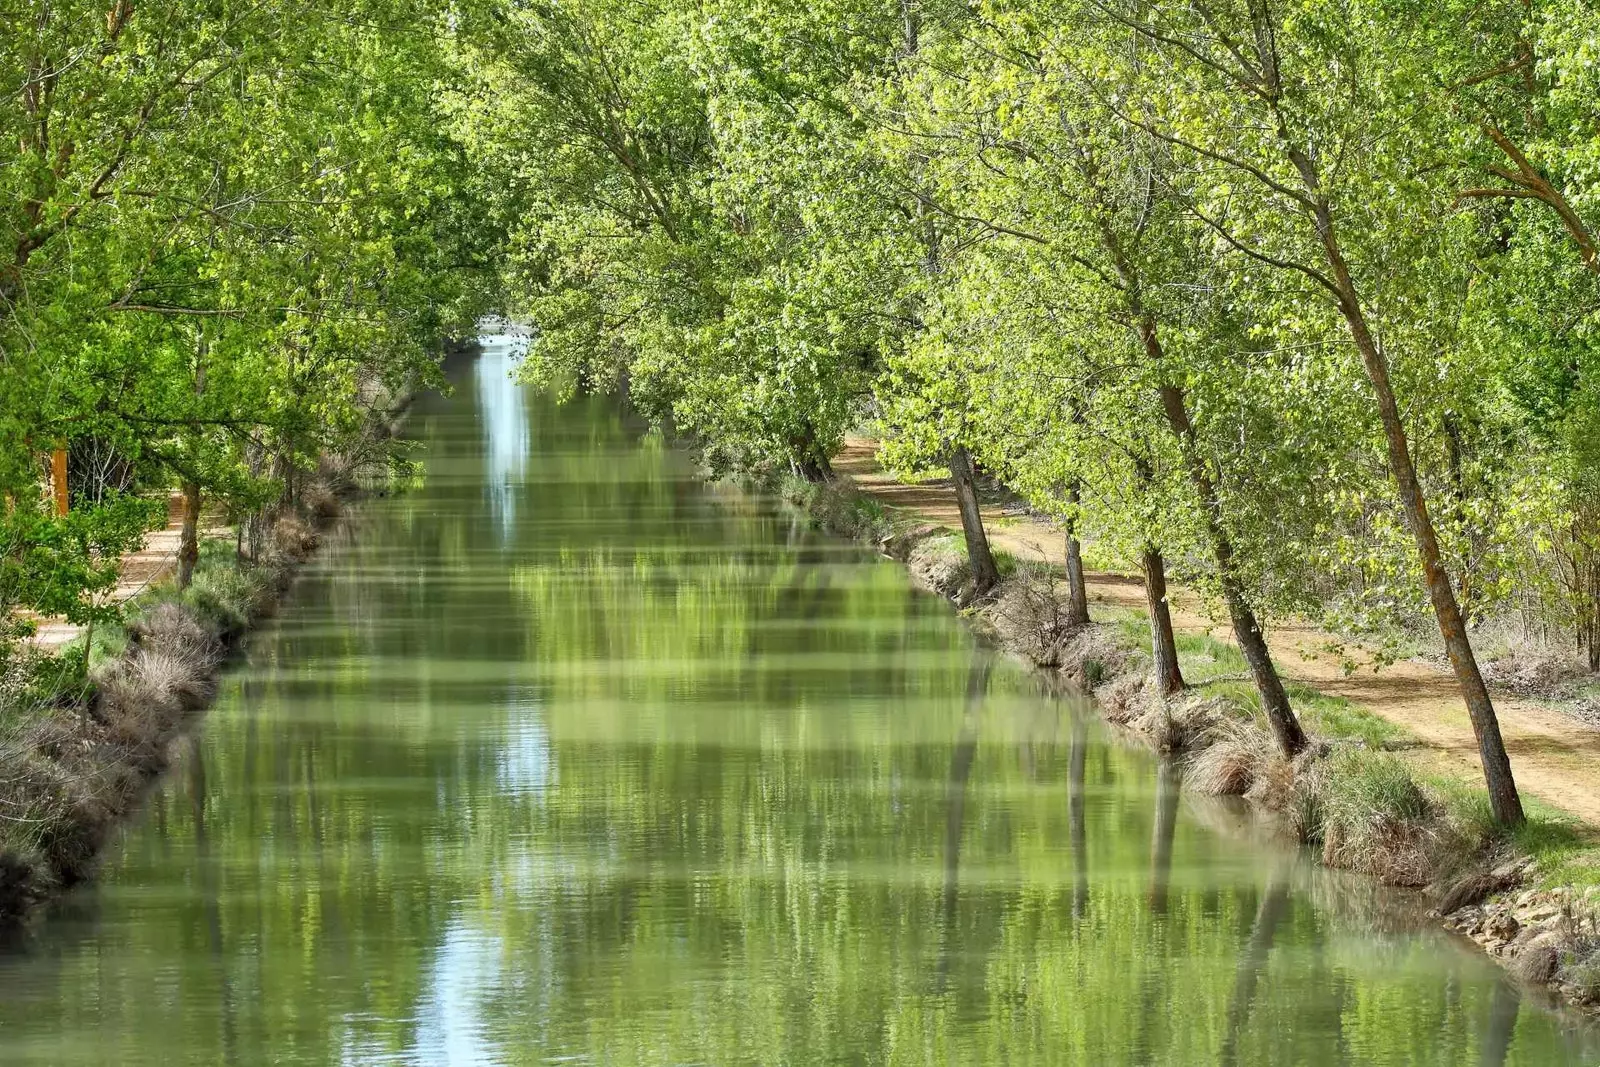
(565, 757)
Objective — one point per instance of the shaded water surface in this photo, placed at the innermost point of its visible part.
(569, 758)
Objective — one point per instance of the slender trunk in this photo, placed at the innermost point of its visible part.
(809, 458)
(1076, 830)
(1077, 591)
(1246, 629)
(1503, 797)
(1169, 679)
(961, 757)
(985, 575)
(1458, 501)
(58, 480)
(189, 539)
(1270, 914)
(809, 469)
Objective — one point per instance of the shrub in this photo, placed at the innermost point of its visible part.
(1031, 616)
(226, 598)
(322, 500)
(293, 537)
(184, 678)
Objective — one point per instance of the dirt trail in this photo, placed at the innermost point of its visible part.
(156, 558)
(1556, 759)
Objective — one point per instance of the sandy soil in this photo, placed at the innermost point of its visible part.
(1556, 758)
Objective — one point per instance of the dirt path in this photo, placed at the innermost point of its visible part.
(1556, 759)
(154, 560)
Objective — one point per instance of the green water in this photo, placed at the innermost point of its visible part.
(567, 758)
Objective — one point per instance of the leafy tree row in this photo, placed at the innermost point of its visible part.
(1296, 298)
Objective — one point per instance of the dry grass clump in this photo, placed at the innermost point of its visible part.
(939, 564)
(1125, 698)
(1094, 654)
(170, 627)
(322, 500)
(1279, 781)
(186, 679)
(1376, 818)
(57, 812)
(68, 777)
(338, 472)
(143, 700)
(1579, 970)
(1177, 724)
(1228, 764)
(899, 544)
(1163, 727)
(294, 538)
(1534, 671)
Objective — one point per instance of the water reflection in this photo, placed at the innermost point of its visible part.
(608, 768)
(1270, 915)
(505, 423)
(454, 1018)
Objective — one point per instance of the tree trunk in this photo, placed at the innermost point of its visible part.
(1169, 679)
(1246, 630)
(1503, 798)
(1492, 747)
(985, 575)
(1077, 591)
(1270, 915)
(1076, 831)
(58, 480)
(189, 539)
(1458, 502)
(809, 458)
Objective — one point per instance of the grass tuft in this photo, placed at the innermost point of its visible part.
(1228, 765)
(1376, 817)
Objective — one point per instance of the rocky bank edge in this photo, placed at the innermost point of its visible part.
(70, 778)
(1360, 808)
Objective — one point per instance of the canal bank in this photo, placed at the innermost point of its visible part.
(1530, 899)
(79, 766)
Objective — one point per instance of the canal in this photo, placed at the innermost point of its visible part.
(563, 756)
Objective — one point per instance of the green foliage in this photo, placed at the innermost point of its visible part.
(230, 235)
(66, 565)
